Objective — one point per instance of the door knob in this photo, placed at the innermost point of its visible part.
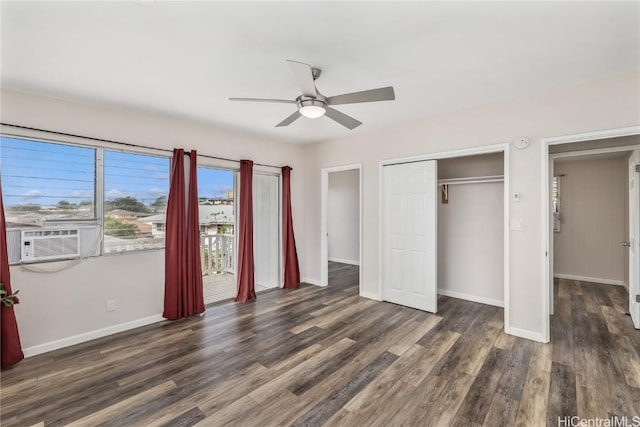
(627, 244)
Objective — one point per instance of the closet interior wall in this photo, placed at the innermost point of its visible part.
(471, 228)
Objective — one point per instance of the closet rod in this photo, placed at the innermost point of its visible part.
(471, 180)
(127, 144)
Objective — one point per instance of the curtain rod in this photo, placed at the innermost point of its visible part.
(128, 144)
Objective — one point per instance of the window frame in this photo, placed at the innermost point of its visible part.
(80, 221)
(103, 198)
(99, 188)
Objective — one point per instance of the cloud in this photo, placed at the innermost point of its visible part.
(156, 191)
(114, 192)
(32, 194)
(221, 190)
(150, 168)
(81, 193)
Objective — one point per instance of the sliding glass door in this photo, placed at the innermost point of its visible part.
(266, 231)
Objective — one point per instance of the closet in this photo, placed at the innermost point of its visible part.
(471, 228)
(443, 230)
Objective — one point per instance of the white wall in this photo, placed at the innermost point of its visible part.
(470, 243)
(60, 306)
(571, 110)
(592, 215)
(343, 217)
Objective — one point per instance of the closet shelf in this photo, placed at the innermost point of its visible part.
(471, 180)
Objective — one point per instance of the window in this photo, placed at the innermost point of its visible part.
(121, 196)
(136, 187)
(44, 182)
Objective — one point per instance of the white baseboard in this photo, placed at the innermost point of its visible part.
(344, 261)
(589, 279)
(88, 336)
(311, 281)
(370, 295)
(474, 298)
(523, 333)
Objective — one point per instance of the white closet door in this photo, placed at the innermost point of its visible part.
(409, 234)
(266, 230)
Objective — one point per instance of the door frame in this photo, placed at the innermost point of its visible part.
(547, 248)
(324, 226)
(489, 149)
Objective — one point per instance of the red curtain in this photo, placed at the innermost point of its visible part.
(11, 350)
(291, 267)
(182, 271)
(175, 240)
(194, 298)
(245, 279)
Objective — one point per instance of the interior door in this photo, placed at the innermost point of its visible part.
(634, 242)
(409, 239)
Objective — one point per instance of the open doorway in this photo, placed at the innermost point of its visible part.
(217, 191)
(590, 210)
(216, 206)
(590, 203)
(590, 200)
(341, 226)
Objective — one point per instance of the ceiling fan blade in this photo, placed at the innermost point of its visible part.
(303, 76)
(283, 101)
(346, 121)
(373, 95)
(292, 118)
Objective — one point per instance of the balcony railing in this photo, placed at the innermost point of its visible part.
(216, 253)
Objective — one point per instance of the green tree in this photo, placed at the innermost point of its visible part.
(115, 228)
(126, 203)
(160, 202)
(63, 204)
(25, 208)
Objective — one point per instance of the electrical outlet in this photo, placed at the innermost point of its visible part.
(111, 305)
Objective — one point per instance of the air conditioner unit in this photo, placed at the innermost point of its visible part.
(52, 244)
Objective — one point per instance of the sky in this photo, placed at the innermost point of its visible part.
(44, 173)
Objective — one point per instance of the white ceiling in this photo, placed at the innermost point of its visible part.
(184, 59)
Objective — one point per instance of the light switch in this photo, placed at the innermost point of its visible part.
(517, 224)
(516, 197)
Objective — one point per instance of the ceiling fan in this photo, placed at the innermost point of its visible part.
(313, 104)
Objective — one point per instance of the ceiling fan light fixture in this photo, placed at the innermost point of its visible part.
(311, 108)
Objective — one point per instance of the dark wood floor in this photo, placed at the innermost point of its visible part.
(324, 356)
